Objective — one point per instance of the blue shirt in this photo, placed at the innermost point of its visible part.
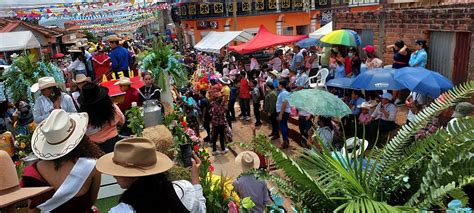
(120, 58)
(340, 72)
(282, 96)
(356, 103)
(249, 186)
(418, 59)
(298, 58)
(302, 80)
(275, 82)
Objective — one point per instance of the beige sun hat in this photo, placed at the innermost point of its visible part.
(74, 49)
(247, 160)
(113, 38)
(59, 134)
(10, 190)
(80, 78)
(274, 72)
(123, 81)
(365, 105)
(354, 143)
(134, 157)
(43, 83)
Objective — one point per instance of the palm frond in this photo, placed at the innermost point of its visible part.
(393, 154)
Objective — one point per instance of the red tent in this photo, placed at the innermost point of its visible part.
(264, 39)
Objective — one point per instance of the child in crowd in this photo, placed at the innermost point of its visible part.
(365, 115)
(256, 101)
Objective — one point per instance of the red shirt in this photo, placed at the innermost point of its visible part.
(132, 95)
(244, 89)
(101, 63)
(348, 65)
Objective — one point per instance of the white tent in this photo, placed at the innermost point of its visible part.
(20, 40)
(214, 41)
(322, 31)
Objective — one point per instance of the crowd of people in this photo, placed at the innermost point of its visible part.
(71, 130)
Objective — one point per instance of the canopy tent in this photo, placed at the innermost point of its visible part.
(20, 40)
(322, 31)
(214, 41)
(264, 39)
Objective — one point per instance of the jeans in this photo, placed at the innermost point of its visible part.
(284, 127)
(245, 107)
(274, 122)
(218, 130)
(231, 109)
(304, 126)
(109, 145)
(256, 112)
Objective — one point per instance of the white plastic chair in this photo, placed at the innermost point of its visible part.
(320, 79)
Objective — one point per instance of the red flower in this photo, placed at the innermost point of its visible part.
(211, 168)
(184, 124)
(196, 148)
(17, 163)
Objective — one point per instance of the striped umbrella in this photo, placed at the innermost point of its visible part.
(342, 37)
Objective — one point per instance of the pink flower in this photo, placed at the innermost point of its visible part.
(233, 208)
(211, 168)
(194, 138)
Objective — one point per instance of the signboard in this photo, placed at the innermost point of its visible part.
(207, 25)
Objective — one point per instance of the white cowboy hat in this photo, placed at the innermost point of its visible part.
(9, 184)
(59, 134)
(354, 143)
(43, 83)
(387, 96)
(247, 160)
(14, 55)
(80, 78)
(365, 105)
(224, 80)
(274, 72)
(74, 49)
(123, 81)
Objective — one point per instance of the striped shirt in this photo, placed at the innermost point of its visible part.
(326, 135)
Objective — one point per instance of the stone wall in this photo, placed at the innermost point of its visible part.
(409, 24)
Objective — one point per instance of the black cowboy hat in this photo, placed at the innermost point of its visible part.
(92, 93)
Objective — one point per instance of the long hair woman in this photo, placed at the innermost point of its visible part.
(104, 116)
(139, 168)
(67, 163)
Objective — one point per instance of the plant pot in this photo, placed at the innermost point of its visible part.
(186, 154)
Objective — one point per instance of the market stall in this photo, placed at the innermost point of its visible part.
(263, 40)
(21, 40)
(214, 41)
(322, 31)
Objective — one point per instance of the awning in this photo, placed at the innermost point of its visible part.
(214, 41)
(11, 41)
(263, 40)
(322, 31)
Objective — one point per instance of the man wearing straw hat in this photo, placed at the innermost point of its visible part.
(248, 185)
(119, 57)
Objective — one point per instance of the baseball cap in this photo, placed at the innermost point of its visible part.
(369, 49)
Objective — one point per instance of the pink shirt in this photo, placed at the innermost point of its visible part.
(109, 130)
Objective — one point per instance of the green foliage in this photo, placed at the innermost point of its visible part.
(178, 173)
(163, 62)
(135, 120)
(90, 37)
(402, 176)
(217, 197)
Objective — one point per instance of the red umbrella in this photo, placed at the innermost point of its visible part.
(58, 55)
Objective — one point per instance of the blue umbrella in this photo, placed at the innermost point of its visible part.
(377, 79)
(308, 42)
(357, 37)
(340, 83)
(423, 81)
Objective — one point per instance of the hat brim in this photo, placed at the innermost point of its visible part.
(21, 194)
(75, 51)
(106, 165)
(45, 151)
(81, 81)
(103, 93)
(243, 168)
(359, 151)
(34, 88)
(224, 82)
(122, 83)
(457, 115)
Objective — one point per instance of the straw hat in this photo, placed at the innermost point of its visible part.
(59, 134)
(134, 157)
(80, 78)
(43, 83)
(123, 81)
(74, 49)
(113, 38)
(365, 105)
(224, 80)
(10, 191)
(354, 143)
(274, 72)
(247, 160)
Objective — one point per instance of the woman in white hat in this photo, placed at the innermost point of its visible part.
(139, 168)
(67, 163)
(79, 81)
(51, 98)
(249, 185)
(79, 61)
(131, 94)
